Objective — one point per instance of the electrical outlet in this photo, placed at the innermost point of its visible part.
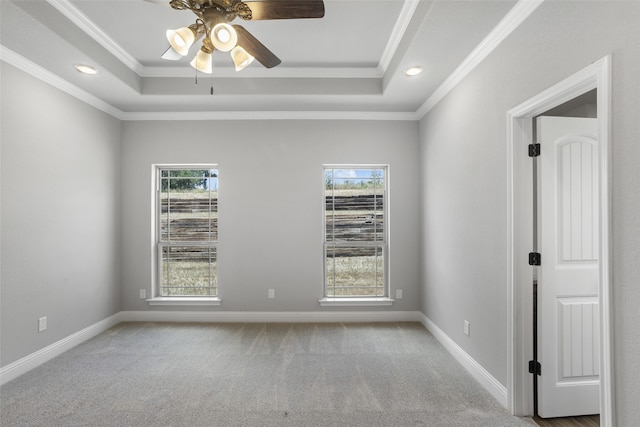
(467, 327)
(42, 324)
(398, 293)
(143, 294)
(272, 293)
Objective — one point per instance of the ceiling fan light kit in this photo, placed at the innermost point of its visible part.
(181, 39)
(203, 61)
(241, 59)
(224, 37)
(213, 17)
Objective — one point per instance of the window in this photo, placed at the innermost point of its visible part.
(187, 231)
(355, 243)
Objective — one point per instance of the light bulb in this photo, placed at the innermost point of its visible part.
(413, 71)
(224, 37)
(86, 69)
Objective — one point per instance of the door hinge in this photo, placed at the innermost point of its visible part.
(534, 150)
(535, 258)
(535, 367)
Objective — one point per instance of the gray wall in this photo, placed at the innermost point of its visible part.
(270, 195)
(464, 192)
(71, 155)
(60, 214)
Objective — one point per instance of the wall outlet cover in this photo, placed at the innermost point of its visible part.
(42, 324)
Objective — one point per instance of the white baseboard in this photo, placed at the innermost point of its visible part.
(21, 366)
(488, 381)
(270, 316)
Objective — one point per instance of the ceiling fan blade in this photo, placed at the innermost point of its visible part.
(286, 9)
(171, 55)
(256, 49)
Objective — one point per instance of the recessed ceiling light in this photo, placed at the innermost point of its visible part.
(413, 71)
(86, 69)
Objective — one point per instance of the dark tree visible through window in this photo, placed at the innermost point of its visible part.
(187, 179)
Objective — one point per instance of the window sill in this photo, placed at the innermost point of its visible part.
(184, 301)
(353, 302)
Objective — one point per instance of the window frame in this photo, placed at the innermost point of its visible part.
(385, 299)
(158, 244)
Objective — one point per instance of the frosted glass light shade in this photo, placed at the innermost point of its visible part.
(224, 37)
(181, 39)
(203, 62)
(241, 58)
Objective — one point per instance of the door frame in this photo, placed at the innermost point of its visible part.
(520, 235)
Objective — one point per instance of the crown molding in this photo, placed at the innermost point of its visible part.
(92, 30)
(406, 13)
(20, 62)
(182, 70)
(505, 27)
(270, 115)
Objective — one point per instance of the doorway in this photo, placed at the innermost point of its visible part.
(521, 238)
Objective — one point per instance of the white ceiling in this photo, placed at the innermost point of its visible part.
(351, 61)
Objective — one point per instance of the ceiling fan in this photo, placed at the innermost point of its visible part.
(212, 25)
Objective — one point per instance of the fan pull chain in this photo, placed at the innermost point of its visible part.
(212, 84)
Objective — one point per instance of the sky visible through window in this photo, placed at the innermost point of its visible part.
(346, 178)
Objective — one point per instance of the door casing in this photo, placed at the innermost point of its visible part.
(520, 236)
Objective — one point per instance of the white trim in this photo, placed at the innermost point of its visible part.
(33, 360)
(406, 13)
(607, 386)
(488, 381)
(29, 67)
(92, 30)
(327, 301)
(271, 115)
(505, 27)
(597, 75)
(271, 316)
(27, 363)
(20, 62)
(186, 301)
(354, 302)
(182, 70)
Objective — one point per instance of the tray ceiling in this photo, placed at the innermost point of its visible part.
(351, 61)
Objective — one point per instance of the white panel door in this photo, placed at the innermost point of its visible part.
(568, 312)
